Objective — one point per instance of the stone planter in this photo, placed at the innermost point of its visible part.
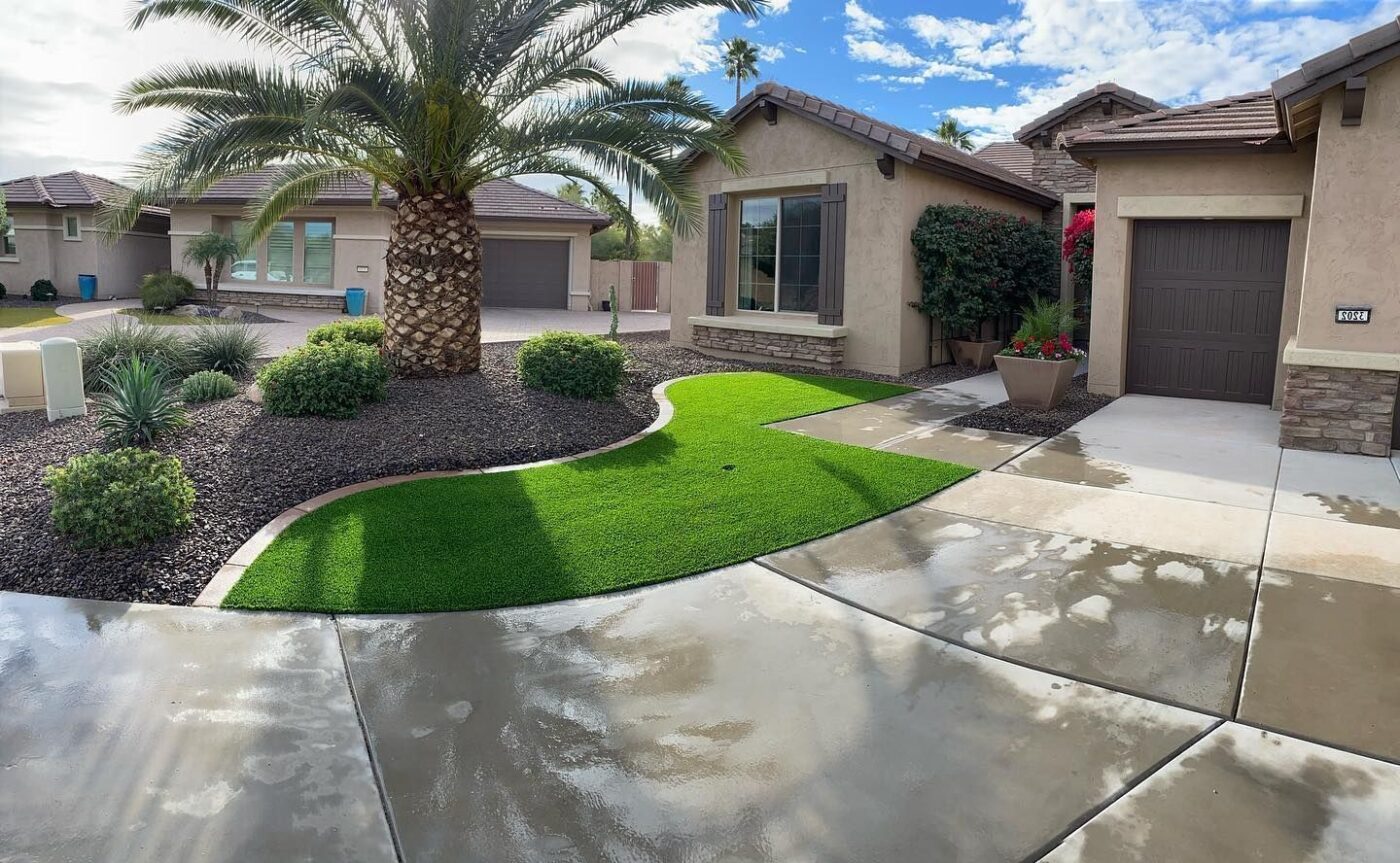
(978, 354)
(1035, 384)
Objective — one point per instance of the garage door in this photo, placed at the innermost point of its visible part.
(525, 274)
(1204, 312)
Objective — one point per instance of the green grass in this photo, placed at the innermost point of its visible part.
(712, 488)
(30, 316)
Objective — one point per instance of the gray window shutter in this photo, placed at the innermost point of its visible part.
(716, 262)
(831, 272)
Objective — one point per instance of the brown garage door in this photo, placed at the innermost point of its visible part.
(525, 274)
(1205, 307)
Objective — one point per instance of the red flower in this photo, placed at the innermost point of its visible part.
(1018, 345)
(1065, 342)
(1048, 349)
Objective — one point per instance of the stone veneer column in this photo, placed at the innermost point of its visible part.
(817, 349)
(1338, 410)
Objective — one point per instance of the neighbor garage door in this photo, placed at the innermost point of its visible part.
(525, 274)
(1205, 307)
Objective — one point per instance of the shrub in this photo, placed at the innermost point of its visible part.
(978, 264)
(612, 305)
(118, 340)
(572, 364)
(1078, 249)
(137, 408)
(329, 380)
(160, 291)
(2, 290)
(122, 498)
(228, 348)
(207, 386)
(366, 331)
(43, 291)
(1046, 327)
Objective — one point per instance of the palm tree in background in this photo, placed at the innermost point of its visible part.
(428, 99)
(954, 135)
(740, 63)
(212, 251)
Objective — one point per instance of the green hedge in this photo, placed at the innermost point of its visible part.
(572, 364)
(161, 291)
(330, 380)
(366, 331)
(207, 386)
(122, 498)
(43, 291)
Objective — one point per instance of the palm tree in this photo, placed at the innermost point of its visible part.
(570, 191)
(954, 135)
(740, 63)
(212, 250)
(428, 99)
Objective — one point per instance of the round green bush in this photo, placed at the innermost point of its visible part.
(330, 380)
(43, 291)
(160, 291)
(572, 364)
(2, 290)
(207, 386)
(120, 499)
(366, 331)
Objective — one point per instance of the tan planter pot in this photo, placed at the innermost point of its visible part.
(1035, 384)
(979, 354)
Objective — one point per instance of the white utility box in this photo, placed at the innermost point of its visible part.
(63, 378)
(21, 376)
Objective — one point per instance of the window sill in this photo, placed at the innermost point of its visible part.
(9, 259)
(757, 324)
(257, 288)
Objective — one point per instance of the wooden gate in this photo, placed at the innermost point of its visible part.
(644, 276)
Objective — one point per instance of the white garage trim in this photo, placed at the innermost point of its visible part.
(1210, 206)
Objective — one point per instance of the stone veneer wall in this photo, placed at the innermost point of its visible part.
(301, 301)
(1052, 167)
(817, 349)
(1338, 410)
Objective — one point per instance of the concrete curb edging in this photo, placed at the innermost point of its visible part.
(213, 594)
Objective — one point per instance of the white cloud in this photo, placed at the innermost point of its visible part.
(771, 53)
(866, 43)
(861, 22)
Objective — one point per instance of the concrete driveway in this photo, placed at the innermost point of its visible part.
(1081, 668)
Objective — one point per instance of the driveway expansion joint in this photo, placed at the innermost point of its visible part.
(375, 771)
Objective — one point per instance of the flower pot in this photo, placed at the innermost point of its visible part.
(978, 354)
(1036, 384)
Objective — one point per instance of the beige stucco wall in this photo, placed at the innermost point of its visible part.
(43, 253)
(885, 335)
(1212, 177)
(1353, 253)
(618, 274)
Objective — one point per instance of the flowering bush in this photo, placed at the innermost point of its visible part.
(1078, 249)
(1045, 333)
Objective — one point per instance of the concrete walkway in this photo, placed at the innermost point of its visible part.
(1077, 666)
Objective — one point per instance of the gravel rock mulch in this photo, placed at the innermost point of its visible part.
(248, 466)
(1078, 404)
(20, 300)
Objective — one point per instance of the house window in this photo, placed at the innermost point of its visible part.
(295, 252)
(281, 245)
(779, 253)
(7, 239)
(316, 259)
(72, 230)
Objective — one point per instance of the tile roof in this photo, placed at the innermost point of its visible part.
(1367, 50)
(1106, 90)
(495, 199)
(68, 189)
(1011, 156)
(907, 146)
(1248, 120)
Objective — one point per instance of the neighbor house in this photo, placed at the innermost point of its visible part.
(807, 256)
(1248, 249)
(52, 233)
(535, 255)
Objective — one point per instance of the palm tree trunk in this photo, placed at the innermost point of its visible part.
(630, 238)
(432, 289)
(209, 281)
(214, 282)
(738, 82)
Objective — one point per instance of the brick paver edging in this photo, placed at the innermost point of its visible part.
(232, 570)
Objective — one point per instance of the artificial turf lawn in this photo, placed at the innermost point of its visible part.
(30, 316)
(710, 489)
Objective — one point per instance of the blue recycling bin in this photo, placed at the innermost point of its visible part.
(87, 287)
(354, 301)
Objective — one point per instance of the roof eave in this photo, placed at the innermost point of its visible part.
(1087, 152)
(1294, 88)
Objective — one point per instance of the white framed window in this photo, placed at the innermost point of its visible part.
(779, 253)
(8, 249)
(295, 252)
(72, 228)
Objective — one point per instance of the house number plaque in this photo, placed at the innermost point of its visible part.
(1353, 314)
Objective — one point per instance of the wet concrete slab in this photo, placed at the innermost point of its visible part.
(133, 732)
(732, 716)
(1163, 624)
(869, 424)
(1245, 794)
(1359, 552)
(1203, 529)
(1323, 662)
(977, 448)
(1181, 448)
(1349, 488)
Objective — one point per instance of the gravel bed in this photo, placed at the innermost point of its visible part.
(248, 466)
(20, 299)
(1078, 404)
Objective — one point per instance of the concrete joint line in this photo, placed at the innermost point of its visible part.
(1258, 591)
(369, 746)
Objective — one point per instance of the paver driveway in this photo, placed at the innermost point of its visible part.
(1091, 662)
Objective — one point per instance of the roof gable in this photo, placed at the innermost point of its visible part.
(1298, 94)
(1107, 93)
(1247, 121)
(68, 189)
(1010, 156)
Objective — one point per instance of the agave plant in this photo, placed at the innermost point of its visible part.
(429, 99)
(138, 407)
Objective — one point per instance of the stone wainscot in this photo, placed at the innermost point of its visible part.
(816, 344)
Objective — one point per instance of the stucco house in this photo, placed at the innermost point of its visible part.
(1247, 249)
(536, 246)
(807, 256)
(51, 233)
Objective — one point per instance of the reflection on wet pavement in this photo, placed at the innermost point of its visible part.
(1167, 625)
(736, 715)
(1349, 488)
